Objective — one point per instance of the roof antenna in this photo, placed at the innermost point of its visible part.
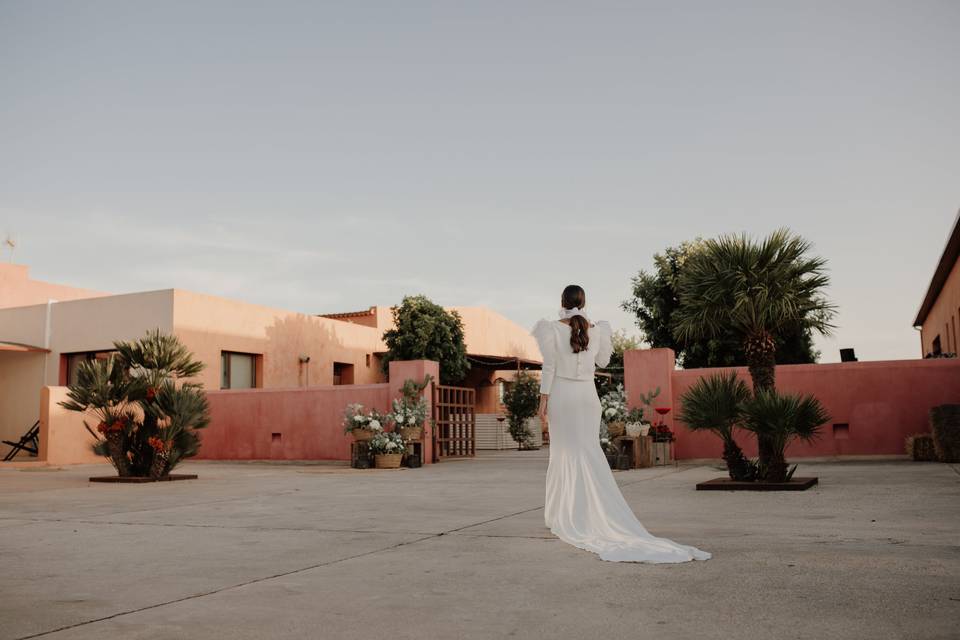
(11, 243)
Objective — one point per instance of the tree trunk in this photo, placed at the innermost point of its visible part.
(761, 348)
(738, 466)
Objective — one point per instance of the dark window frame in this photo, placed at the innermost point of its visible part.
(226, 373)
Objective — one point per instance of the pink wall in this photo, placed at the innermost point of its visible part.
(882, 402)
(63, 438)
(309, 420)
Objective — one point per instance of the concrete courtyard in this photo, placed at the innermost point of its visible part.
(459, 550)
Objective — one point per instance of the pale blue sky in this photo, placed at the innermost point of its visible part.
(329, 156)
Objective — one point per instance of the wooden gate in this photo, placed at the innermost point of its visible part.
(454, 431)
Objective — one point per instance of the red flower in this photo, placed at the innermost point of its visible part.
(151, 393)
(102, 427)
(158, 444)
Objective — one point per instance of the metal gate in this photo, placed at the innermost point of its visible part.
(454, 430)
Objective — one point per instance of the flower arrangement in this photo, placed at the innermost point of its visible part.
(362, 424)
(387, 450)
(409, 412)
(614, 405)
(661, 433)
(387, 442)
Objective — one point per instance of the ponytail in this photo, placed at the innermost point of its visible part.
(574, 298)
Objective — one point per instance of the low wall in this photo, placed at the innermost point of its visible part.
(301, 423)
(63, 438)
(285, 424)
(880, 403)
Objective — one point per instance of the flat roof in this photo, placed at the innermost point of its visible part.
(947, 260)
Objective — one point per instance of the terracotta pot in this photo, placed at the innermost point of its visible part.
(387, 460)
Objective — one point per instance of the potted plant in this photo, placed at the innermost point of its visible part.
(387, 449)
(363, 426)
(409, 412)
(613, 406)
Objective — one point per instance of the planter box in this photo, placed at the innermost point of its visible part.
(726, 484)
(138, 480)
(662, 453)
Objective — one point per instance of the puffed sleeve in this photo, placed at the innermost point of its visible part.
(604, 334)
(546, 337)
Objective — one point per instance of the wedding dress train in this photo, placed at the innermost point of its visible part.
(584, 506)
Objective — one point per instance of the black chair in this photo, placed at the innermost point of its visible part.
(29, 442)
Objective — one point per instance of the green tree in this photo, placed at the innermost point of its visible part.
(522, 399)
(424, 330)
(714, 404)
(621, 342)
(655, 299)
(755, 291)
(778, 419)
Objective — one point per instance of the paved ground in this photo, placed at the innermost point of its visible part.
(458, 550)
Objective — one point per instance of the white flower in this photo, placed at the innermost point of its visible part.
(375, 425)
(412, 420)
(358, 418)
(391, 445)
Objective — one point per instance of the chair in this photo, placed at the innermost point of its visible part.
(30, 442)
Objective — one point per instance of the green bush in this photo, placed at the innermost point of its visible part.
(522, 399)
(945, 425)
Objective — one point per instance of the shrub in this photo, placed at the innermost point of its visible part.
(945, 426)
(426, 331)
(920, 447)
(522, 399)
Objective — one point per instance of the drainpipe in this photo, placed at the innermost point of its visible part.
(47, 333)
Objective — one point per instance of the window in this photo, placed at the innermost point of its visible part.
(342, 373)
(937, 350)
(73, 360)
(501, 390)
(238, 370)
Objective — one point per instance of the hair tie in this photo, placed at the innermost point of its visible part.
(566, 314)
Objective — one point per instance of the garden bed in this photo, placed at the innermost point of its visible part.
(139, 479)
(726, 484)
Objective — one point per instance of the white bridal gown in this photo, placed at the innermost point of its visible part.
(584, 506)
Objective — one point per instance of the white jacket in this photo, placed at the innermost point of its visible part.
(559, 360)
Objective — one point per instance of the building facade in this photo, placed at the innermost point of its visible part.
(47, 330)
(939, 314)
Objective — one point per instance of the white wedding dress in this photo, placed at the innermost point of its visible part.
(584, 506)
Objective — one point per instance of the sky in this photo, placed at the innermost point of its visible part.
(324, 157)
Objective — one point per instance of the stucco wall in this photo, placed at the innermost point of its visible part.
(17, 289)
(63, 438)
(881, 402)
(209, 325)
(298, 424)
(944, 317)
(21, 376)
(489, 333)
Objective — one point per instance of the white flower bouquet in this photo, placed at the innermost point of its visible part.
(386, 443)
(356, 418)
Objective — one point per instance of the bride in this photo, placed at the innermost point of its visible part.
(584, 506)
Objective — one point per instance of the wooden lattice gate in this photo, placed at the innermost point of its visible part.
(454, 432)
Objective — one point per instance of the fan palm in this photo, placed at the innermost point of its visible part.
(779, 419)
(714, 404)
(756, 290)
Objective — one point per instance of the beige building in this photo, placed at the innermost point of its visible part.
(47, 329)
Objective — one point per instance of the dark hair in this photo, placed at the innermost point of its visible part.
(574, 297)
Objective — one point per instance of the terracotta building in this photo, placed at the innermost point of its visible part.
(939, 314)
(46, 330)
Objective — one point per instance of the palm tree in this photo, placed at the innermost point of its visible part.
(714, 404)
(758, 291)
(779, 419)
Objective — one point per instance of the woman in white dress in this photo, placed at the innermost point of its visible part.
(584, 506)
